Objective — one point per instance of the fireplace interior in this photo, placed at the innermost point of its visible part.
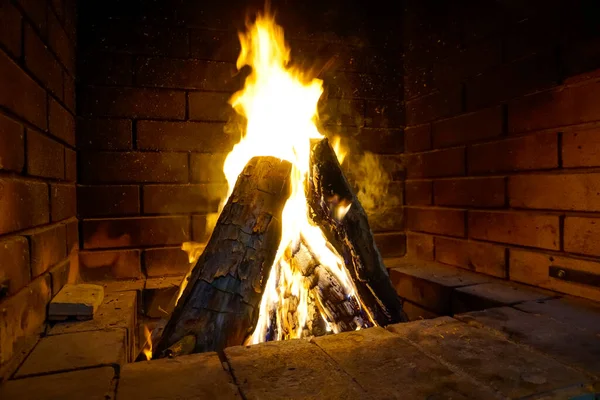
(445, 153)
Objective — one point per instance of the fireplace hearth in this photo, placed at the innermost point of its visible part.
(401, 201)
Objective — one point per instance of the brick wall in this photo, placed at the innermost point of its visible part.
(154, 82)
(503, 137)
(38, 228)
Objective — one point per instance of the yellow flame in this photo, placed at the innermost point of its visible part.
(147, 350)
(340, 152)
(279, 103)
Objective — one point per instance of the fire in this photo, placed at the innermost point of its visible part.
(147, 349)
(279, 103)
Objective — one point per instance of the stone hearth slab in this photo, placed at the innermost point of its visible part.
(564, 342)
(513, 370)
(291, 369)
(89, 384)
(579, 313)
(430, 285)
(198, 376)
(489, 295)
(80, 301)
(388, 367)
(118, 310)
(76, 350)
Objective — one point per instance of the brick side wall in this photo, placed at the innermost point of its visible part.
(503, 137)
(38, 226)
(155, 78)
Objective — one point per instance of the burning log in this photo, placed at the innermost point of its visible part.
(219, 306)
(329, 195)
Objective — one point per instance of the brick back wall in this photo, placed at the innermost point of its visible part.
(154, 80)
(38, 227)
(503, 137)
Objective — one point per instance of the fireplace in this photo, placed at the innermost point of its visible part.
(466, 134)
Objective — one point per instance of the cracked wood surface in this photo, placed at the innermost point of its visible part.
(219, 306)
(352, 236)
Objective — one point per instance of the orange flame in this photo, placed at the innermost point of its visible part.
(279, 103)
(147, 350)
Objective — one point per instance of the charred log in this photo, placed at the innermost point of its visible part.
(351, 236)
(220, 304)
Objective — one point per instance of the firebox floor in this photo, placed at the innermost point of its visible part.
(502, 341)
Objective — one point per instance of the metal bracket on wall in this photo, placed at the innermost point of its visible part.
(575, 276)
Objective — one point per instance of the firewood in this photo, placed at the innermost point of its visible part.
(219, 306)
(351, 236)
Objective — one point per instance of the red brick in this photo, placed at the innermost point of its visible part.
(380, 141)
(579, 192)
(438, 163)
(210, 106)
(581, 149)
(125, 37)
(214, 45)
(184, 136)
(42, 63)
(553, 108)
(418, 83)
(471, 61)
(187, 74)
(525, 229)
(12, 145)
(508, 81)
(469, 192)
(23, 203)
(202, 227)
(72, 236)
(69, 92)
(419, 246)
(21, 94)
(62, 123)
(582, 235)
(45, 157)
(10, 28)
(129, 232)
(101, 68)
(70, 165)
(436, 220)
(61, 44)
(23, 316)
(104, 134)
(484, 124)
(434, 106)
(37, 11)
(532, 268)
(63, 201)
(132, 103)
(14, 268)
(60, 276)
(384, 218)
(137, 167)
(171, 199)
(206, 167)
(380, 114)
(343, 84)
(48, 247)
(108, 265)
(418, 193)
(166, 261)
(347, 112)
(479, 257)
(100, 201)
(533, 152)
(417, 138)
(391, 244)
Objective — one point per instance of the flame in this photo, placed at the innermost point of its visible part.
(279, 103)
(340, 152)
(147, 350)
